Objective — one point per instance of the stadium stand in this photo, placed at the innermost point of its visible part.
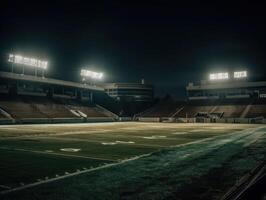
(84, 108)
(256, 111)
(19, 109)
(87, 111)
(28, 107)
(192, 111)
(107, 102)
(48, 107)
(230, 111)
(2, 116)
(167, 107)
(29, 97)
(232, 108)
(52, 110)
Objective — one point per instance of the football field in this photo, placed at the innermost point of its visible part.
(33, 155)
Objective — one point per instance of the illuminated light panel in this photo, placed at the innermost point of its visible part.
(219, 76)
(18, 59)
(241, 74)
(91, 74)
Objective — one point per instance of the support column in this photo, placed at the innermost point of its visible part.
(13, 89)
(50, 93)
(91, 97)
(79, 95)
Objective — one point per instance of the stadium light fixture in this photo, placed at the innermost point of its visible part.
(33, 62)
(91, 75)
(240, 74)
(219, 76)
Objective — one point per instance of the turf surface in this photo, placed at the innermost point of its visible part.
(30, 153)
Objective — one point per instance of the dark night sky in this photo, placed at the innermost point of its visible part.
(168, 44)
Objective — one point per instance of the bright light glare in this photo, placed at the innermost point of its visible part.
(18, 59)
(241, 74)
(91, 74)
(219, 76)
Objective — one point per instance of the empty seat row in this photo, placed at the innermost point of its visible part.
(25, 107)
(190, 111)
(257, 111)
(230, 111)
(90, 111)
(234, 109)
(20, 110)
(163, 109)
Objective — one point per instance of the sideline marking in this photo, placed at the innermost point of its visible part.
(69, 150)
(123, 161)
(88, 140)
(5, 187)
(57, 154)
(73, 174)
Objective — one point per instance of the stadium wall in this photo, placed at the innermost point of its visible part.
(55, 120)
(202, 120)
(148, 119)
(185, 120)
(125, 119)
(6, 121)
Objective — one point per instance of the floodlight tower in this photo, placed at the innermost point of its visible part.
(90, 77)
(219, 76)
(240, 74)
(28, 62)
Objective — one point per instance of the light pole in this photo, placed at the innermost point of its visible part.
(91, 77)
(26, 61)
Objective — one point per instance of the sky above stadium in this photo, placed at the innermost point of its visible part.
(168, 44)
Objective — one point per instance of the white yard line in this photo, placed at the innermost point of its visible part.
(59, 134)
(77, 132)
(112, 164)
(64, 125)
(101, 141)
(57, 154)
(55, 137)
(249, 131)
(4, 187)
(72, 174)
(86, 140)
(144, 125)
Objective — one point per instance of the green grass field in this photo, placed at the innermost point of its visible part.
(34, 153)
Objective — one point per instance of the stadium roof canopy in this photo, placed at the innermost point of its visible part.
(126, 86)
(50, 81)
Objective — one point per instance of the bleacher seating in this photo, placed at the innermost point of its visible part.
(2, 116)
(222, 108)
(230, 111)
(90, 111)
(164, 108)
(109, 103)
(257, 111)
(191, 110)
(88, 108)
(25, 107)
(53, 110)
(20, 110)
(48, 107)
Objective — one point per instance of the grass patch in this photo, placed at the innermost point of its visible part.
(26, 167)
